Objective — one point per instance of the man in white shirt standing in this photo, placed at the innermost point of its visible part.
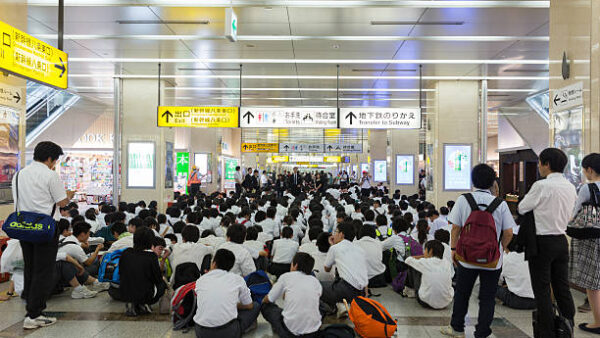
(351, 265)
(238, 180)
(552, 201)
(225, 307)
(301, 292)
(264, 180)
(365, 184)
(40, 190)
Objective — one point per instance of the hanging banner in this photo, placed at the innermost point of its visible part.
(257, 117)
(198, 117)
(182, 170)
(380, 118)
(260, 147)
(23, 55)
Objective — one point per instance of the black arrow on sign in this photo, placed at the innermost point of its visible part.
(329, 147)
(17, 97)
(248, 115)
(556, 99)
(286, 147)
(245, 147)
(167, 114)
(351, 116)
(61, 67)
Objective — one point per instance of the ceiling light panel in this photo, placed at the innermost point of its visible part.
(162, 22)
(417, 23)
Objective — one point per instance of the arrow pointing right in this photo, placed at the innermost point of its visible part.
(61, 67)
(17, 97)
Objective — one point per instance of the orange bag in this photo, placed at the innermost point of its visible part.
(371, 319)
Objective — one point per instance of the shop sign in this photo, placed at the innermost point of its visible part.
(257, 117)
(198, 117)
(343, 147)
(300, 148)
(380, 118)
(230, 165)
(332, 159)
(306, 158)
(260, 147)
(10, 96)
(279, 159)
(568, 97)
(25, 56)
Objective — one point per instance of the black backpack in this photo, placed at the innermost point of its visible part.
(185, 273)
(336, 331)
(563, 328)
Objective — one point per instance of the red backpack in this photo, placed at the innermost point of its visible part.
(478, 242)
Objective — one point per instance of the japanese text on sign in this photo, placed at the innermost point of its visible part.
(288, 117)
(199, 117)
(260, 147)
(380, 118)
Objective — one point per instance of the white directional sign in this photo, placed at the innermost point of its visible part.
(300, 148)
(567, 97)
(257, 117)
(343, 148)
(380, 118)
(10, 96)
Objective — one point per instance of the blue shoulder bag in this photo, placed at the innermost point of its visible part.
(29, 226)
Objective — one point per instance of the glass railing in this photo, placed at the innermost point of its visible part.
(540, 103)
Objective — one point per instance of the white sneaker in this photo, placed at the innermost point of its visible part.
(410, 293)
(342, 311)
(83, 292)
(40, 321)
(449, 331)
(100, 286)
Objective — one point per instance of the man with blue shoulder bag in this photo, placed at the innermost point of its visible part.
(37, 191)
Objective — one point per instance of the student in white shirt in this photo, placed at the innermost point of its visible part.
(383, 230)
(444, 237)
(189, 250)
(125, 240)
(432, 281)
(422, 234)
(374, 252)
(244, 264)
(552, 201)
(301, 293)
(283, 252)
(225, 307)
(517, 294)
(269, 225)
(310, 247)
(209, 239)
(163, 227)
(320, 255)
(254, 247)
(351, 266)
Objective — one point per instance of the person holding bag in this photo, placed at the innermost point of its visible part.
(585, 267)
(37, 189)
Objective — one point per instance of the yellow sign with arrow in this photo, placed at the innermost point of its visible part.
(198, 117)
(23, 55)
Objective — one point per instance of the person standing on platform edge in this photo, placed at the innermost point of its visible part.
(195, 181)
(40, 190)
(238, 180)
(552, 201)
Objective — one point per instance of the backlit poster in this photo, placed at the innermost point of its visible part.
(140, 165)
(230, 164)
(457, 166)
(567, 137)
(182, 170)
(9, 151)
(405, 170)
(169, 165)
(364, 167)
(202, 162)
(379, 171)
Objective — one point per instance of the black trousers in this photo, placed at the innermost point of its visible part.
(365, 192)
(274, 315)
(279, 269)
(335, 292)
(194, 188)
(39, 260)
(513, 301)
(551, 268)
(238, 189)
(234, 328)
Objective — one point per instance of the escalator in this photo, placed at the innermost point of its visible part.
(44, 106)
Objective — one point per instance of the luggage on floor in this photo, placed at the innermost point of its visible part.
(371, 319)
(562, 326)
(336, 331)
(184, 307)
(109, 267)
(185, 273)
(259, 284)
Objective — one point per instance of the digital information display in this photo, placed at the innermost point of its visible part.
(380, 171)
(364, 167)
(457, 166)
(140, 165)
(405, 170)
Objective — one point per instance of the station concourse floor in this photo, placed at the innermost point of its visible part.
(103, 317)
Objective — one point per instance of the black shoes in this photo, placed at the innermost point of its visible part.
(134, 310)
(584, 327)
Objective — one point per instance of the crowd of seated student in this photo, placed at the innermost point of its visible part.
(319, 249)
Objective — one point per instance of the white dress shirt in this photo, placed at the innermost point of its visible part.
(552, 201)
(39, 189)
(320, 273)
(308, 247)
(73, 250)
(254, 248)
(436, 281)
(284, 250)
(515, 272)
(301, 294)
(350, 262)
(188, 252)
(218, 293)
(212, 241)
(374, 253)
(244, 264)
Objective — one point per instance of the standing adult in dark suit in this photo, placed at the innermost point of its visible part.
(295, 182)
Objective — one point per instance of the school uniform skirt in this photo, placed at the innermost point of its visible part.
(584, 265)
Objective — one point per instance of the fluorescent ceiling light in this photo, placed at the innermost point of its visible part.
(162, 22)
(517, 70)
(417, 23)
(313, 61)
(304, 3)
(383, 70)
(209, 69)
(167, 37)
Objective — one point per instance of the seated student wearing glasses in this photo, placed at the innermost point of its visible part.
(225, 307)
(300, 291)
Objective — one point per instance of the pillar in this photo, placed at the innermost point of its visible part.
(139, 104)
(378, 151)
(453, 119)
(404, 142)
(575, 30)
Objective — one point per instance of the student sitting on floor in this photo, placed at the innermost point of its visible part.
(283, 252)
(320, 256)
(244, 264)
(443, 236)
(209, 239)
(351, 265)
(431, 277)
(310, 247)
(225, 307)
(383, 229)
(189, 251)
(125, 240)
(254, 247)
(142, 283)
(517, 294)
(374, 252)
(301, 292)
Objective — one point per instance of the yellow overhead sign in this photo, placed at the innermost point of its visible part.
(260, 147)
(332, 159)
(23, 55)
(279, 159)
(198, 117)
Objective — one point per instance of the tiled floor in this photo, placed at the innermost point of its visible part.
(102, 317)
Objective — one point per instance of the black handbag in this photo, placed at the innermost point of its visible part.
(586, 224)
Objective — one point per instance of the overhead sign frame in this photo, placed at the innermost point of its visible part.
(25, 56)
(259, 147)
(288, 117)
(380, 118)
(197, 117)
